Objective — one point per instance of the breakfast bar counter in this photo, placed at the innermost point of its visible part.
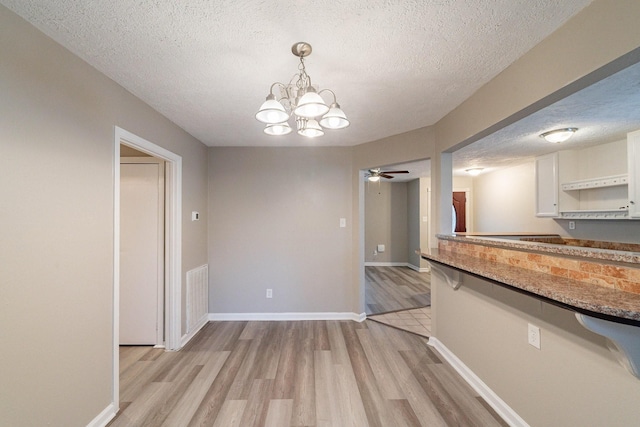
(595, 280)
(598, 282)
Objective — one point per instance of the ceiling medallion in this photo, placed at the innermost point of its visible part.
(300, 99)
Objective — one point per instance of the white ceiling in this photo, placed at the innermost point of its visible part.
(207, 65)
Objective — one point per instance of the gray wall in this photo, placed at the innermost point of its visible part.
(417, 212)
(57, 159)
(414, 218)
(573, 380)
(386, 221)
(274, 223)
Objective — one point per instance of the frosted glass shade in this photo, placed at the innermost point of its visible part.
(335, 118)
(311, 129)
(272, 112)
(559, 135)
(277, 129)
(311, 105)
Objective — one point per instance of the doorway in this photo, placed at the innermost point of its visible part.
(142, 212)
(172, 247)
(394, 215)
(460, 209)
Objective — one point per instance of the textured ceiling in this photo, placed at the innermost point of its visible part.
(207, 65)
(603, 112)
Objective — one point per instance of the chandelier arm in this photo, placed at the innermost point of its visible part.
(277, 84)
(332, 93)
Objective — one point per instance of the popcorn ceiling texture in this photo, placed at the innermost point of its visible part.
(207, 65)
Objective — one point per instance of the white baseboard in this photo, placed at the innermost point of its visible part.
(104, 417)
(419, 269)
(386, 264)
(508, 415)
(187, 337)
(285, 316)
(397, 264)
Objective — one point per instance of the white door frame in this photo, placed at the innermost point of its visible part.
(173, 246)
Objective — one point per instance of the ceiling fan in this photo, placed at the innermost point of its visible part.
(376, 174)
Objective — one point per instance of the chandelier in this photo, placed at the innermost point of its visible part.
(300, 99)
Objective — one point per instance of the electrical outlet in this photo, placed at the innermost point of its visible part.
(534, 336)
(269, 293)
(572, 225)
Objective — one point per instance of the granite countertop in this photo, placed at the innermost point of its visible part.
(499, 240)
(611, 304)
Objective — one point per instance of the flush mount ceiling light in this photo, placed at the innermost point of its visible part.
(558, 135)
(300, 99)
(474, 171)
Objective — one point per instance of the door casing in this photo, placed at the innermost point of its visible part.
(173, 246)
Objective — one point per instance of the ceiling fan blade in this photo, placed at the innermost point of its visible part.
(384, 175)
(395, 172)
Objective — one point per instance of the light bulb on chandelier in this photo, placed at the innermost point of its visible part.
(300, 99)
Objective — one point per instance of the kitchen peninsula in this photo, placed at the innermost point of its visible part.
(593, 279)
(600, 282)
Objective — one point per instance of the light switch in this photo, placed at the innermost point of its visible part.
(343, 222)
(195, 216)
(380, 248)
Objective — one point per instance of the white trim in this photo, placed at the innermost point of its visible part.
(173, 264)
(173, 247)
(104, 417)
(386, 264)
(115, 358)
(187, 337)
(397, 264)
(500, 406)
(217, 317)
(419, 269)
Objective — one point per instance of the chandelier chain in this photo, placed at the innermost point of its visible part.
(303, 78)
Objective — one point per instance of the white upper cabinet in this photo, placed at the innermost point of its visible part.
(547, 185)
(633, 161)
(599, 182)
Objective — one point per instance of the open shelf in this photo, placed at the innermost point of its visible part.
(606, 181)
(596, 214)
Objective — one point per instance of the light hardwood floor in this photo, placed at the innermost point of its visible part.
(395, 288)
(305, 373)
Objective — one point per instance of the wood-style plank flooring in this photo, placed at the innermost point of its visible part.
(395, 288)
(304, 373)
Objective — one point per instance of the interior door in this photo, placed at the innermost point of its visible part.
(141, 251)
(459, 204)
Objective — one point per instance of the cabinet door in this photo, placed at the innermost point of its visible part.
(547, 185)
(633, 158)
